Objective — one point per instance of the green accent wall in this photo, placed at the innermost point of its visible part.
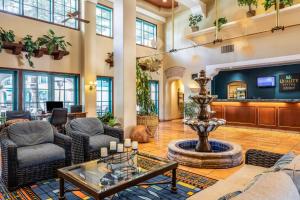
(219, 82)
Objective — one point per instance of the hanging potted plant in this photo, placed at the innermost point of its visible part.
(149, 64)
(194, 20)
(32, 48)
(146, 108)
(221, 22)
(282, 3)
(249, 3)
(56, 45)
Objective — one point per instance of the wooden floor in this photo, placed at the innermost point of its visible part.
(264, 139)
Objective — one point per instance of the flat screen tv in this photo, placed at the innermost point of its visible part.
(266, 81)
(53, 104)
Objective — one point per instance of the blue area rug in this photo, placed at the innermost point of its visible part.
(48, 190)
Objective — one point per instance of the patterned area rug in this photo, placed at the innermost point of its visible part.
(188, 184)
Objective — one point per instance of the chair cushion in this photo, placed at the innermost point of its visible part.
(271, 186)
(31, 133)
(98, 141)
(38, 154)
(233, 183)
(90, 126)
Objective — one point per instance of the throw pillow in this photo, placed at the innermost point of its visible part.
(271, 186)
(283, 161)
(293, 170)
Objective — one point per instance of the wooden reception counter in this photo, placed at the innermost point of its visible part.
(266, 113)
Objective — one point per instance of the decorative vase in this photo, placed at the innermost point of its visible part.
(151, 122)
(251, 13)
(195, 28)
(281, 6)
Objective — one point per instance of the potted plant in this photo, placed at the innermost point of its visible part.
(269, 3)
(56, 45)
(109, 120)
(146, 108)
(194, 20)
(149, 64)
(221, 22)
(32, 48)
(7, 39)
(249, 3)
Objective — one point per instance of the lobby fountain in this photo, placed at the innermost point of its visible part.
(204, 152)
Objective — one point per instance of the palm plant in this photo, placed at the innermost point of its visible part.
(54, 42)
(282, 3)
(6, 36)
(248, 3)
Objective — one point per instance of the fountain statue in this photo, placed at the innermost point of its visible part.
(204, 152)
(204, 124)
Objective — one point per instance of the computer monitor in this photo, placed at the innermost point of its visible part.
(53, 104)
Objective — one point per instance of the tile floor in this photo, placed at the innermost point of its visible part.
(264, 139)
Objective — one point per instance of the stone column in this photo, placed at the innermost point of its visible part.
(125, 63)
(90, 57)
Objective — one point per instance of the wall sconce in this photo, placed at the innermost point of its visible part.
(92, 85)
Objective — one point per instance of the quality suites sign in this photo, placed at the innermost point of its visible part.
(289, 82)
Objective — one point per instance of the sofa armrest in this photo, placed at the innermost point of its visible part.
(64, 142)
(114, 132)
(261, 158)
(80, 146)
(9, 162)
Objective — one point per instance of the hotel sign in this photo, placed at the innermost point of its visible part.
(289, 82)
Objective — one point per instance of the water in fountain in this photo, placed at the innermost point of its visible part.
(204, 123)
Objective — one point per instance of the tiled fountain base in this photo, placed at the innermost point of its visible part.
(225, 154)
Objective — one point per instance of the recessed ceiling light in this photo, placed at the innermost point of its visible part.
(165, 1)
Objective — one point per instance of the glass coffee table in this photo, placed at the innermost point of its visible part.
(108, 176)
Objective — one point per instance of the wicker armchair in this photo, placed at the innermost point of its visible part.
(24, 164)
(88, 136)
(261, 158)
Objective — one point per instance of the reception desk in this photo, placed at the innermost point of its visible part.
(266, 113)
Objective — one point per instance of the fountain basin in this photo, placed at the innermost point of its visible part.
(224, 154)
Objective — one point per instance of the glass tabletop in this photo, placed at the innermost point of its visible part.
(116, 169)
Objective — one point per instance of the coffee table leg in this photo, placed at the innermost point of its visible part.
(61, 189)
(174, 181)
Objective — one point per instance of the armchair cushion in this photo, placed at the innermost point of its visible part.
(38, 154)
(31, 133)
(89, 126)
(98, 141)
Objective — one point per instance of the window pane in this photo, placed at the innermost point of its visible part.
(145, 33)
(1, 4)
(104, 95)
(104, 20)
(154, 89)
(6, 92)
(12, 6)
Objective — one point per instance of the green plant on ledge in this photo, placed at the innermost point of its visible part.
(249, 3)
(53, 42)
(221, 22)
(6, 36)
(109, 119)
(143, 93)
(269, 3)
(194, 20)
(31, 47)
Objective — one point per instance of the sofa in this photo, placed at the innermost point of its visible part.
(257, 163)
(88, 136)
(32, 151)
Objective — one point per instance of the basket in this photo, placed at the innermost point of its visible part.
(151, 122)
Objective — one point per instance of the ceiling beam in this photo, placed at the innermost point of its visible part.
(196, 6)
